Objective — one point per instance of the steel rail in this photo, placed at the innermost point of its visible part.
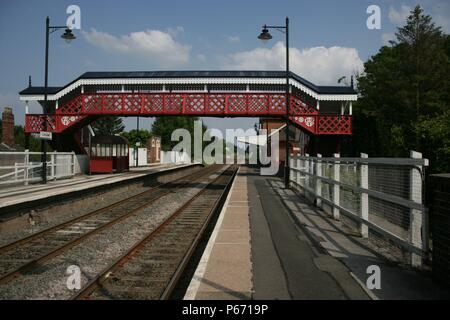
(174, 280)
(58, 250)
(27, 239)
(95, 283)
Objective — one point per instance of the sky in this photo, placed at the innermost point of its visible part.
(328, 39)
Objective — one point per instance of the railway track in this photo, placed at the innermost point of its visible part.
(152, 267)
(22, 256)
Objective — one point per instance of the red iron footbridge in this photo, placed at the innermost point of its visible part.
(317, 110)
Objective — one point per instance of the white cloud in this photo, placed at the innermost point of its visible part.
(154, 45)
(233, 39)
(319, 65)
(398, 17)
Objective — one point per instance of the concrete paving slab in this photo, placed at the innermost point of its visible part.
(230, 221)
(225, 270)
(227, 236)
(228, 267)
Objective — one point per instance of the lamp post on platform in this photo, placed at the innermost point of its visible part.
(266, 36)
(68, 36)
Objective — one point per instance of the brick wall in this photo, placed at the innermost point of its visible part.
(440, 225)
(153, 149)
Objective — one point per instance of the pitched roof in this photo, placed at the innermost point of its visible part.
(194, 74)
(39, 90)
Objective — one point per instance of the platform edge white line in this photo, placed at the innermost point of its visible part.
(194, 285)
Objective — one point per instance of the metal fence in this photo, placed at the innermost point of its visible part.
(382, 195)
(25, 167)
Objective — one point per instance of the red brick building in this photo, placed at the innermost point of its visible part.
(154, 149)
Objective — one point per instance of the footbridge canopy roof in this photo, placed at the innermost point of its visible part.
(330, 93)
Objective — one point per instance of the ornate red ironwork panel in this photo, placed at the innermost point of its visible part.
(173, 104)
(216, 104)
(64, 122)
(226, 104)
(307, 122)
(237, 104)
(132, 103)
(92, 104)
(258, 104)
(185, 103)
(112, 103)
(34, 123)
(72, 106)
(334, 125)
(298, 107)
(277, 104)
(195, 104)
(153, 104)
(39, 122)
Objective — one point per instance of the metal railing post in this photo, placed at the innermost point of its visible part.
(52, 165)
(336, 187)
(416, 218)
(291, 166)
(318, 190)
(364, 177)
(26, 163)
(73, 163)
(307, 177)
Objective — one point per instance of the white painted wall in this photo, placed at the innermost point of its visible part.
(142, 157)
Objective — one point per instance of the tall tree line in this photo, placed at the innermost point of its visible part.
(405, 96)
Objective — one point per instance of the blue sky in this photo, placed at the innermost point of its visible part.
(329, 39)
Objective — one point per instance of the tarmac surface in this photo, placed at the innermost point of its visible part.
(270, 243)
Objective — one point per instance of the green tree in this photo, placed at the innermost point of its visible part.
(164, 126)
(19, 139)
(137, 136)
(108, 125)
(34, 144)
(404, 90)
(435, 135)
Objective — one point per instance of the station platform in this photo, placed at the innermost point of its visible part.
(11, 196)
(270, 244)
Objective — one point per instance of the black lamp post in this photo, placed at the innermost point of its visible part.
(265, 36)
(68, 36)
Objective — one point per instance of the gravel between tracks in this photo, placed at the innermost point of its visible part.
(94, 254)
(66, 214)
